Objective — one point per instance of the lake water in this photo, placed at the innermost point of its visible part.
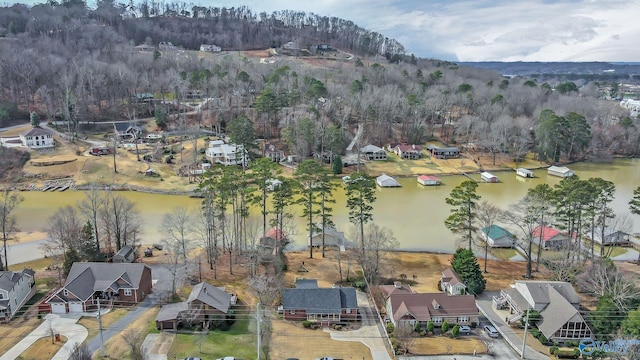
(413, 212)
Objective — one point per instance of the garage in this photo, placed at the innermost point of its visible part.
(75, 307)
(58, 308)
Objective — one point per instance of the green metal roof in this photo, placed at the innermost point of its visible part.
(496, 232)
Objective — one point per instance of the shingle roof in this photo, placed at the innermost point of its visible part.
(86, 278)
(396, 288)
(171, 311)
(319, 301)
(421, 307)
(557, 313)
(36, 131)
(451, 277)
(8, 279)
(371, 148)
(213, 296)
(306, 283)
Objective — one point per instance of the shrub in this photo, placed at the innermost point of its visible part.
(535, 332)
(553, 350)
(543, 339)
(474, 324)
(416, 327)
(390, 328)
(445, 327)
(306, 324)
(430, 326)
(568, 353)
(455, 331)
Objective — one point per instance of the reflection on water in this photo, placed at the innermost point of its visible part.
(413, 212)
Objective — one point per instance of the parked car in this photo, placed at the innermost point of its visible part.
(491, 331)
(192, 358)
(228, 358)
(464, 329)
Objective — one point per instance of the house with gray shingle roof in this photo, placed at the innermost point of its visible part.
(450, 283)
(206, 305)
(112, 283)
(16, 288)
(409, 309)
(324, 305)
(37, 138)
(556, 301)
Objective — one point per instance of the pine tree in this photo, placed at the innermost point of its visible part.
(466, 265)
(88, 249)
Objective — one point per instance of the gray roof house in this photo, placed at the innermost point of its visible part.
(123, 284)
(16, 288)
(372, 152)
(126, 254)
(332, 237)
(556, 301)
(450, 283)
(324, 305)
(205, 305)
(127, 131)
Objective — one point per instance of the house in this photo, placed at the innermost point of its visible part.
(498, 237)
(444, 152)
(127, 131)
(226, 154)
(556, 301)
(617, 238)
(37, 138)
(110, 283)
(488, 177)
(142, 98)
(409, 309)
(372, 152)
(405, 151)
(274, 241)
(387, 181)
(144, 47)
(551, 238)
(428, 180)
(324, 305)
(210, 48)
(16, 288)
(126, 254)
(525, 173)
(273, 153)
(450, 283)
(397, 288)
(561, 171)
(206, 305)
(332, 237)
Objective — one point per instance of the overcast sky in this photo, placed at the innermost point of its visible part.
(484, 30)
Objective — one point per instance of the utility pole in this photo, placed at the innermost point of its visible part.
(115, 147)
(524, 338)
(259, 325)
(99, 316)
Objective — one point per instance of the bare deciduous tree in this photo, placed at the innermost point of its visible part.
(602, 278)
(92, 205)
(377, 241)
(64, 229)
(9, 201)
(486, 216)
(178, 226)
(80, 352)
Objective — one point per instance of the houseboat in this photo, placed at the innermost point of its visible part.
(488, 177)
(561, 171)
(525, 173)
(387, 181)
(428, 180)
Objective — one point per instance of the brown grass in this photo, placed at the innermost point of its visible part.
(43, 349)
(15, 131)
(117, 347)
(14, 332)
(292, 340)
(438, 345)
(91, 323)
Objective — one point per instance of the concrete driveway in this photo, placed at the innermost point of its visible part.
(64, 325)
(369, 333)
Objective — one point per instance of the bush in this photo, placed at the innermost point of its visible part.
(445, 327)
(306, 324)
(455, 331)
(543, 339)
(568, 353)
(553, 350)
(430, 327)
(535, 332)
(474, 324)
(416, 327)
(390, 328)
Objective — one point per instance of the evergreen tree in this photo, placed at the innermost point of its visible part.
(337, 165)
(466, 265)
(35, 119)
(70, 257)
(464, 200)
(88, 249)
(631, 325)
(607, 318)
(634, 203)
(360, 191)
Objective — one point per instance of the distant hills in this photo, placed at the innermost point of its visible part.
(603, 70)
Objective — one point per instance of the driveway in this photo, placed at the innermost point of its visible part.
(485, 305)
(64, 325)
(369, 333)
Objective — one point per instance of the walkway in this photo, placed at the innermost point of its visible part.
(64, 325)
(156, 346)
(369, 333)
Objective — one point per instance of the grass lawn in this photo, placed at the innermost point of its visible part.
(239, 341)
(42, 349)
(504, 254)
(36, 265)
(118, 347)
(17, 329)
(91, 323)
(439, 345)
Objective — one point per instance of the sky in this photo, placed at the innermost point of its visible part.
(485, 30)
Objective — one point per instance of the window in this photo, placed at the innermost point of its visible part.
(65, 292)
(463, 319)
(1, 296)
(127, 292)
(348, 311)
(437, 320)
(292, 312)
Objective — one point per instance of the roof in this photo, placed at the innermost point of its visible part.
(276, 234)
(496, 232)
(213, 296)
(122, 127)
(126, 250)
(487, 175)
(407, 147)
(320, 300)
(8, 279)
(371, 148)
(428, 177)
(396, 288)
(86, 278)
(559, 169)
(386, 180)
(537, 292)
(306, 283)
(421, 306)
(547, 232)
(36, 131)
(171, 311)
(523, 170)
(437, 148)
(329, 231)
(450, 276)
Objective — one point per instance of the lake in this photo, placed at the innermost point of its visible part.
(413, 212)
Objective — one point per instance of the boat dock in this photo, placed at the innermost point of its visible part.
(60, 184)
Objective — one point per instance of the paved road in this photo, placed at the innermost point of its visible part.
(485, 304)
(162, 279)
(369, 333)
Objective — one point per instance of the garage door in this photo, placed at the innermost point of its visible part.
(75, 307)
(58, 308)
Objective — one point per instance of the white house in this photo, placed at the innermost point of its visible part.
(210, 48)
(489, 177)
(561, 171)
(16, 288)
(387, 181)
(226, 154)
(37, 138)
(450, 283)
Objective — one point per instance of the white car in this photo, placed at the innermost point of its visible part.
(464, 329)
(491, 331)
(227, 358)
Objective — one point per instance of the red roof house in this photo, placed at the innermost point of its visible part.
(551, 238)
